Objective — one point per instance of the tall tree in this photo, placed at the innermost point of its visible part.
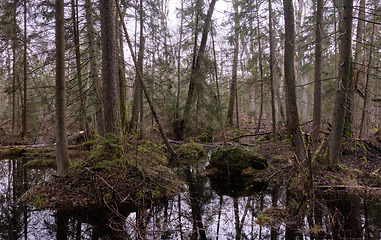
(137, 107)
(234, 81)
(121, 75)
(62, 143)
(260, 65)
(109, 68)
(318, 70)
(272, 70)
(25, 109)
(343, 78)
(153, 111)
(292, 115)
(179, 61)
(14, 69)
(195, 72)
(94, 69)
(82, 109)
(359, 63)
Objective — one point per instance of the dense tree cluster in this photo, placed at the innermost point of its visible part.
(202, 64)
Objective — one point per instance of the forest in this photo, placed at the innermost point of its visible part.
(117, 96)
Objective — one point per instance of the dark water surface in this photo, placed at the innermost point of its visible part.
(207, 210)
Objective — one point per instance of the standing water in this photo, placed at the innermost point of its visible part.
(207, 210)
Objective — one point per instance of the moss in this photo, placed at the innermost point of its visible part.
(10, 152)
(41, 163)
(249, 172)
(206, 138)
(84, 146)
(190, 151)
(364, 145)
(235, 160)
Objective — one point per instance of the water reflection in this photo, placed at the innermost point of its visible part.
(210, 209)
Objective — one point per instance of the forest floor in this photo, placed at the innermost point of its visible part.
(359, 169)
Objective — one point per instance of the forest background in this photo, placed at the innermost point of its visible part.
(200, 65)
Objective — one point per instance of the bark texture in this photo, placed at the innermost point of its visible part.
(343, 78)
(94, 69)
(292, 116)
(234, 84)
(62, 144)
(109, 68)
(318, 70)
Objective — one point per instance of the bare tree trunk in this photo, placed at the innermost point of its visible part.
(341, 98)
(82, 110)
(94, 70)
(179, 62)
(366, 99)
(233, 84)
(359, 62)
(14, 70)
(121, 76)
(272, 71)
(137, 108)
(109, 69)
(318, 70)
(25, 109)
(261, 80)
(62, 144)
(292, 115)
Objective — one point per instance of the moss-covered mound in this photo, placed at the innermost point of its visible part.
(233, 161)
(117, 172)
(190, 151)
(10, 152)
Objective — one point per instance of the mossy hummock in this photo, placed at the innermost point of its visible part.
(233, 161)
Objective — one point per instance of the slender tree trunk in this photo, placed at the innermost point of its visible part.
(137, 109)
(292, 115)
(195, 74)
(261, 80)
(62, 144)
(359, 63)
(25, 109)
(82, 110)
(218, 91)
(366, 99)
(272, 71)
(94, 69)
(344, 75)
(318, 70)
(14, 37)
(121, 76)
(233, 84)
(179, 62)
(109, 69)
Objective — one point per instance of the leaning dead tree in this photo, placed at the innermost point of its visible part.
(140, 76)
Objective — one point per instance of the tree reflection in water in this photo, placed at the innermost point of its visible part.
(208, 210)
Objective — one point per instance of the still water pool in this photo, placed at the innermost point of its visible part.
(207, 210)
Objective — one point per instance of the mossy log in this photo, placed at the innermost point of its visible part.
(10, 152)
(233, 161)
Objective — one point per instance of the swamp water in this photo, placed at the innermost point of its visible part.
(205, 211)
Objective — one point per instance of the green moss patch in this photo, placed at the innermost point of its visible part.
(10, 152)
(233, 161)
(41, 163)
(190, 151)
(116, 172)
